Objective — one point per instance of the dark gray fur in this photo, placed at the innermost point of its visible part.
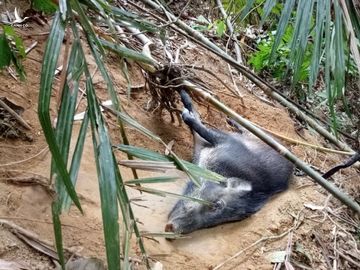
(253, 172)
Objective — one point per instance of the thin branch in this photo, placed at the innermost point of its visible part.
(15, 115)
(25, 160)
(231, 31)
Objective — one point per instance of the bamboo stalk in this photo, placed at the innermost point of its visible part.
(344, 198)
(231, 31)
(266, 87)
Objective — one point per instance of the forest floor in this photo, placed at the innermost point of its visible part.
(319, 228)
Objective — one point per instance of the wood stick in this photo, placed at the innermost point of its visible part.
(15, 115)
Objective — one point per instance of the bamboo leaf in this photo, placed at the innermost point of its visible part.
(132, 122)
(167, 235)
(300, 36)
(63, 9)
(318, 42)
(76, 158)
(127, 53)
(145, 154)
(106, 169)
(56, 210)
(141, 153)
(163, 193)
(268, 6)
(245, 11)
(51, 55)
(135, 20)
(86, 25)
(152, 180)
(283, 22)
(355, 21)
(63, 131)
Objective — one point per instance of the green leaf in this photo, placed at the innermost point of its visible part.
(163, 193)
(50, 59)
(220, 28)
(12, 36)
(132, 122)
(283, 22)
(146, 154)
(63, 131)
(268, 6)
(246, 10)
(152, 180)
(5, 52)
(76, 158)
(55, 210)
(106, 169)
(318, 43)
(17, 49)
(127, 53)
(47, 6)
(134, 20)
(300, 37)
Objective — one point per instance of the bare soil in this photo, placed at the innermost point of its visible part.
(25, 196)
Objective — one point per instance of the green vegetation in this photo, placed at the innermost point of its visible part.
(11, 50)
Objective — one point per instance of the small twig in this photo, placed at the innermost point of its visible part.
(40, 34)
(12, 73)
(288, 250)
(231, 31)
(348, 259)
(177, 54)
(15, 115)
(44, 221)
(324, 249)
(212, 74)
(24, 160)
(335, 261)
(317, 147)
(31, 47)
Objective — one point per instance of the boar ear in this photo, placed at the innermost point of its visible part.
(238, 184)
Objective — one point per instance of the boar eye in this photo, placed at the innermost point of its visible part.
(218, 205)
